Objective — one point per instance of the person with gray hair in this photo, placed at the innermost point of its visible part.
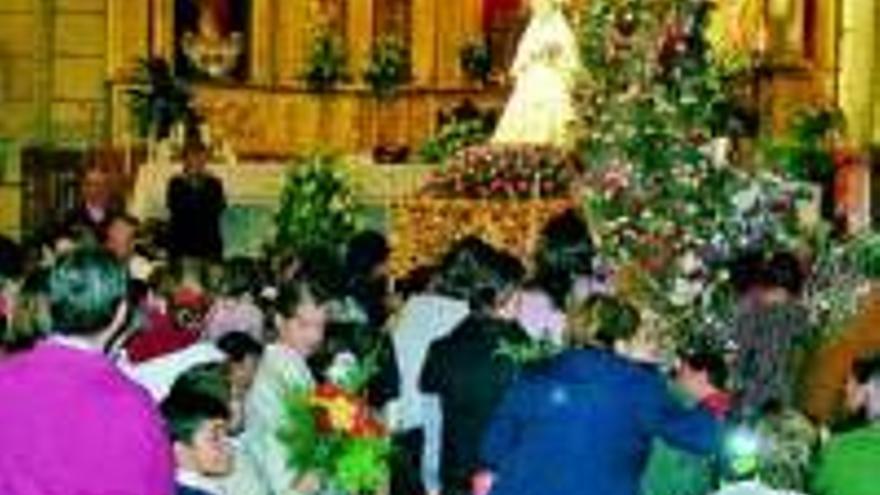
(848, 464)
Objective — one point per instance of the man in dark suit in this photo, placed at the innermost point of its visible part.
(466, 371)
(196, 202)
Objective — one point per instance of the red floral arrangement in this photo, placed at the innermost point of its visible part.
(339, 411)
(506, 172)
(332, 431)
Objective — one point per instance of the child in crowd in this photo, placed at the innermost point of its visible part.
(198, 424)
(563, 263)
(188, 308)
(701, 373)
(234, 309)
(243, 355)
(848, 464)
(302, 318)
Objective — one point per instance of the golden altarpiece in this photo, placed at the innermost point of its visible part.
(265, 108)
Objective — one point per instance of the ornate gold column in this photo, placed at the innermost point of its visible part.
(261, 33)
(786, 19)
(128, 25)
(359, 35)
(857, 62)
(291, 38)
(425, 15)
(163, 26)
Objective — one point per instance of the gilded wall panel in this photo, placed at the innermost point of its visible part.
(128, 26)
(16, 6)
(16, 34)
(81, 35)
(17, 79)
(78, 79)
(18, 119)
(83, 5)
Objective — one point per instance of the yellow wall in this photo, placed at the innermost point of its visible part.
(52, 73)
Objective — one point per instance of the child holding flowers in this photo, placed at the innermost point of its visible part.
(264, 468)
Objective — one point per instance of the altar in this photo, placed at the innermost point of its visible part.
(253, 190)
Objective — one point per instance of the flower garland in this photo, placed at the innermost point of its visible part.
(506, 172)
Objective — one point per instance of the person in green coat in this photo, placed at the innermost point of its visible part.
(848, 465)
(672, 471)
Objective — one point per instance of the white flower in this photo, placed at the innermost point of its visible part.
(751, 488)
(746, 199)
(690, 263)
(685, 292)
(340, 370)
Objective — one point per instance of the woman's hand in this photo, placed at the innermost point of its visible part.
(481, 483)
(308, 484)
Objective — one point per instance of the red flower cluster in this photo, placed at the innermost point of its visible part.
(338, 411)
(506, 172)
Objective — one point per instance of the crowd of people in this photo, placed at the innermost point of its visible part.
(150, 368)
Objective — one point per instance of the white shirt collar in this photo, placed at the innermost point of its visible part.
(198, 481)
(77, 343)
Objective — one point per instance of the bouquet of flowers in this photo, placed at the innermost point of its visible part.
(332, 431)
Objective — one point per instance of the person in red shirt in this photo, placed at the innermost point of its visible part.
(162, 335)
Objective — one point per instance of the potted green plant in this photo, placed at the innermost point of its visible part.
(475, 59)
(327, 62)
(806, 153)
(389, 67)
(318, 211)
(159, 100)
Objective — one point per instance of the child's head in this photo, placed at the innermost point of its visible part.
(564, 253)
(302, 316)
(863, 387)
(367, 255)
(240, 277)
(197, 412)
(198, 423)
(703, 370)
(244, 354)
(603, 320)
(120, 236)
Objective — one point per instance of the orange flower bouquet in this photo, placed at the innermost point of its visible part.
(332, 431)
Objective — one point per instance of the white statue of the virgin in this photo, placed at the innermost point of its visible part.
(541, 110)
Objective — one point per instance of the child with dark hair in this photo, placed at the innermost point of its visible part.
(243, 354)
(235, 309)
(848, 463)
(196, 202)
(198, 422)
(701, 373)
(301, 321)
(366, 266)
(563, 259)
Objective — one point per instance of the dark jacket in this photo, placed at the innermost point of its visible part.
(196, 204)
(470, 377)
(584, 423)
(188, 490)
